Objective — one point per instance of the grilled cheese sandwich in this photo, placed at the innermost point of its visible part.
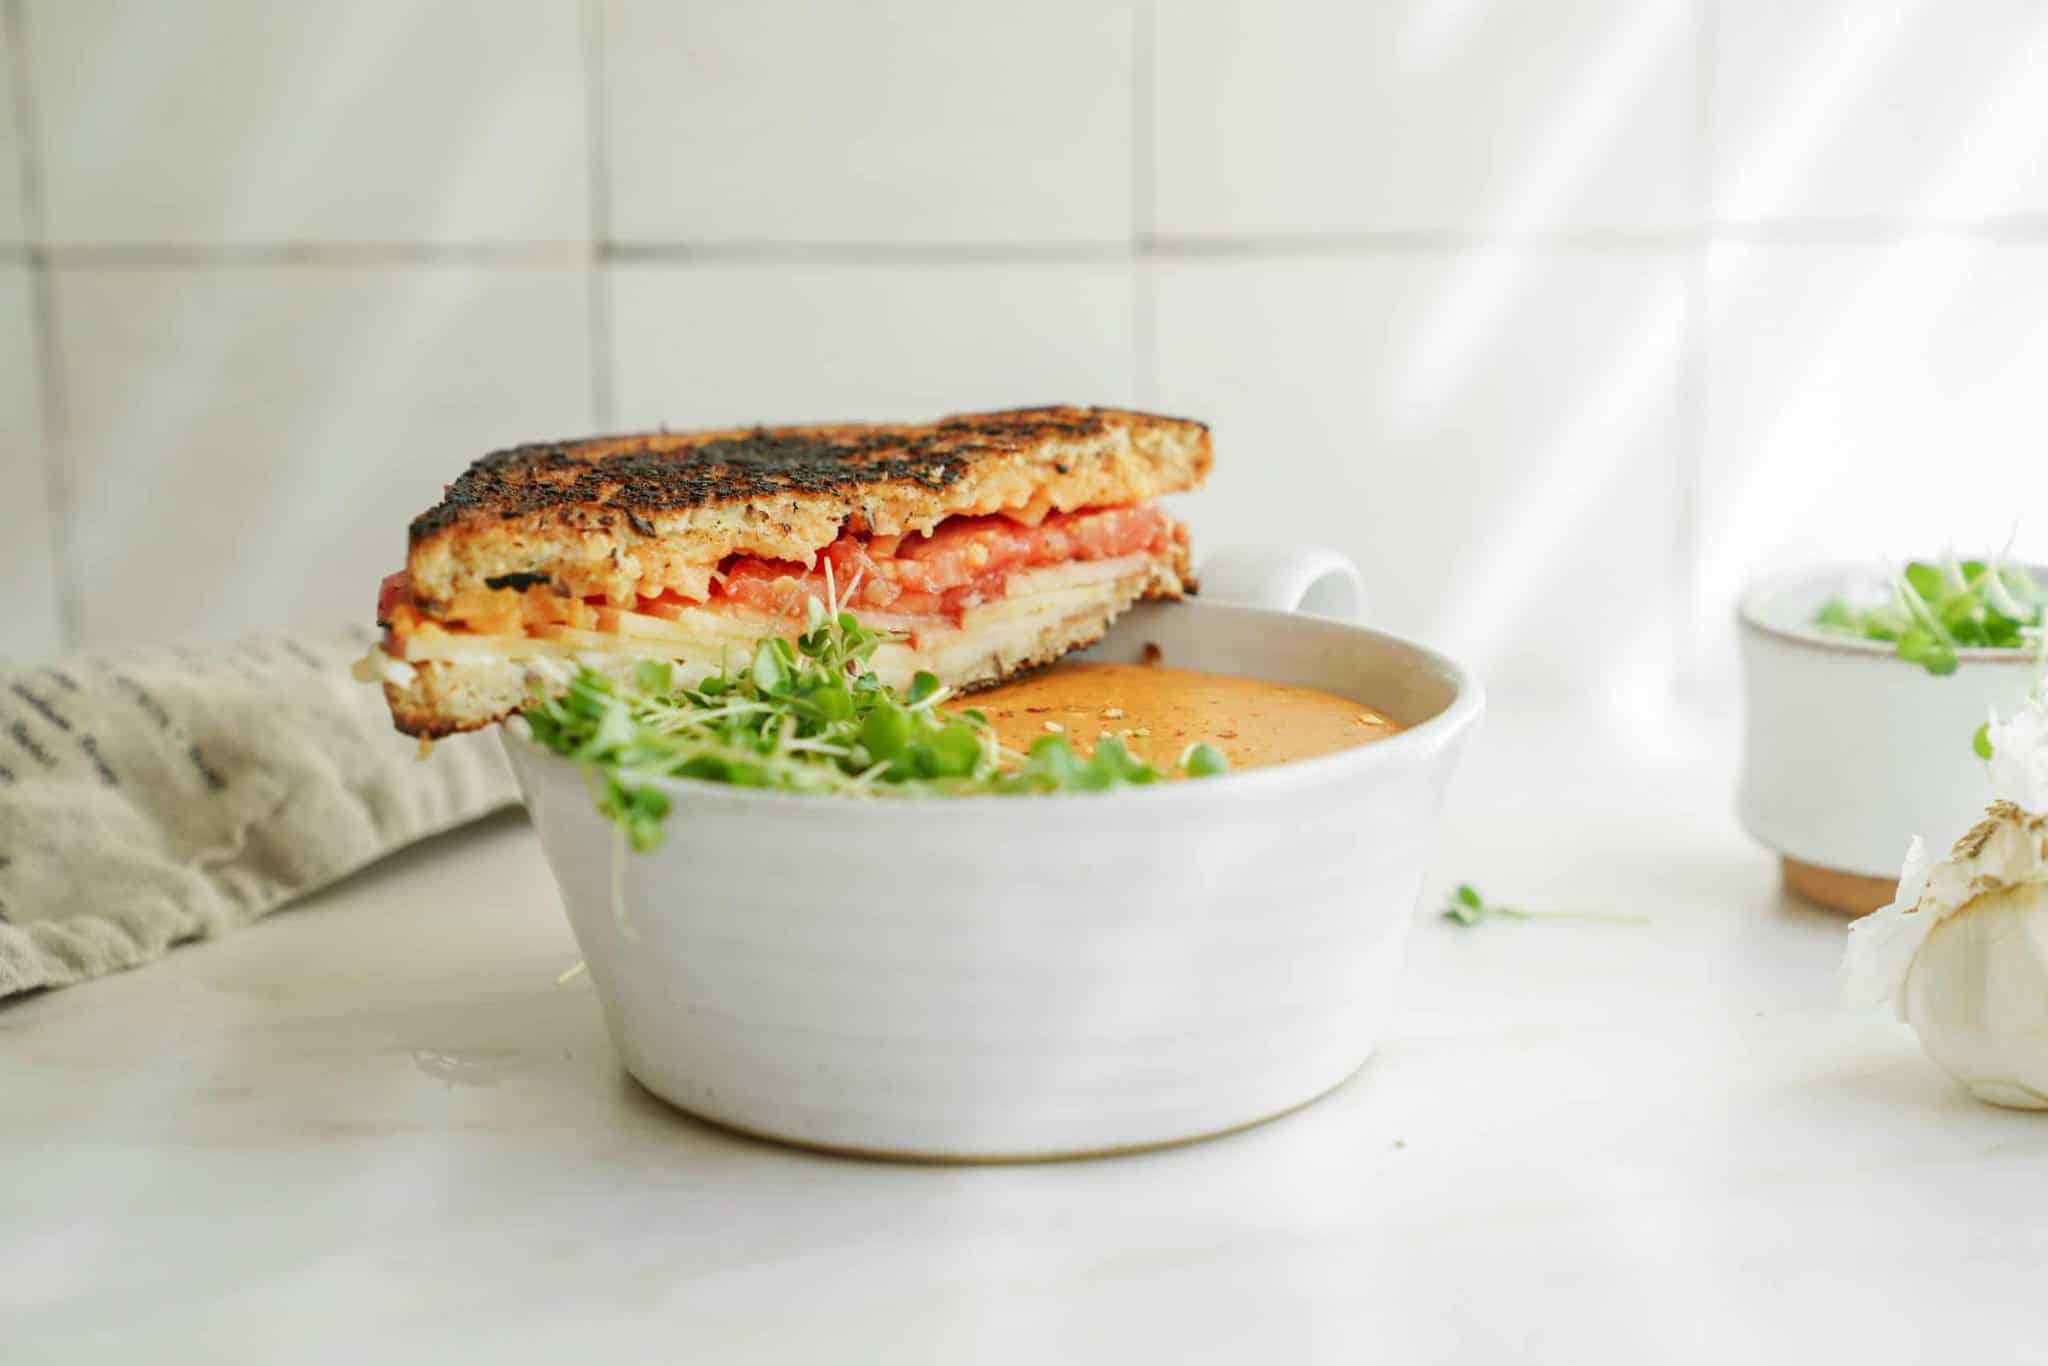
(983, 544)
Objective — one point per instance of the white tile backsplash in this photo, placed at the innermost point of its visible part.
(248, 444)
(29, 617)
(1845, 109)
(721, 344)
(1309, 116)
(913, 121)
(1515, 515)
(244, 121)
(1550, 314)
(13, 216)
(1867, 404)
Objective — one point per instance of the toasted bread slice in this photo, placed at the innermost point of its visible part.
(631, 516)
(689, 547)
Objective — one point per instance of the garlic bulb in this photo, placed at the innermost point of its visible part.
(1977, 995)
(1962, 951)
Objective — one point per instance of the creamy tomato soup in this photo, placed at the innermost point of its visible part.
(1160, 712)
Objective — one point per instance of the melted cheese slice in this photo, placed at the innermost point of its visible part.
(702, 641)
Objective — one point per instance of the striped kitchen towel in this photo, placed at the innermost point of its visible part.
(165, 795)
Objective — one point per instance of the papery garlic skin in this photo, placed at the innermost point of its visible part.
(1977, 995)
(1882, 944)
(2018, 766)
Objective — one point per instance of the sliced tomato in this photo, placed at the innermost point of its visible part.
(963, 563)
(917, 603)
(395, 589)
(767, 585)
(963, 548)
(668, 607)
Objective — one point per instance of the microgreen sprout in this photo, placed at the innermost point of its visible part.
(1467, 907)
(807, 715)
(1933, 610)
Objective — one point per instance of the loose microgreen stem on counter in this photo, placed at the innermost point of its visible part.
(1467, 907)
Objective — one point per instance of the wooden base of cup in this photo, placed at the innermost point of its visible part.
(1833, 890)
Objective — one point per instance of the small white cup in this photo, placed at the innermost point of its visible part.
(1850, 751)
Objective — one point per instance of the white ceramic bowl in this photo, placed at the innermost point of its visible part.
(1013, 978)
(1850, 751)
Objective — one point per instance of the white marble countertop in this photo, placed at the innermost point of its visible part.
(374, 1128)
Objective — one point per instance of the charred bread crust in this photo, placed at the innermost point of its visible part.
(624, 515)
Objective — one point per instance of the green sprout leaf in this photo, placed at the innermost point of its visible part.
(1837, 615)
(1935, 610)
(1980, 743)
(805, 717)
(769, 674)
(655, 676)
(1465, 905)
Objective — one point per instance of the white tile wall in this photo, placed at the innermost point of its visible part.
(1514, 514)
(1846, 109)
(1553, 315)
(244, 121)
(29, 619)
(1309, 116)
(1869, 402)
(913, 121)
(249, 443)
(728, 344)
(13, 224)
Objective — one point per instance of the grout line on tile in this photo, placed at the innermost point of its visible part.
(1141, 121)
(43, 320)
(596, 94)
(1145, 332)
(14, 26)
(323, 255)
(1024, 253)
(1257, 247)
(598, 302)
(57, 454)
(1283, 245)
(1689, 460)
(863, 253)
(1144, 342)
(1706, 40)
(1875, 231)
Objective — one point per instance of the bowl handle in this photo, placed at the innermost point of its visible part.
(1313, 580)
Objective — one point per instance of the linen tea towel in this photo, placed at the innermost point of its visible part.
(163, 795)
